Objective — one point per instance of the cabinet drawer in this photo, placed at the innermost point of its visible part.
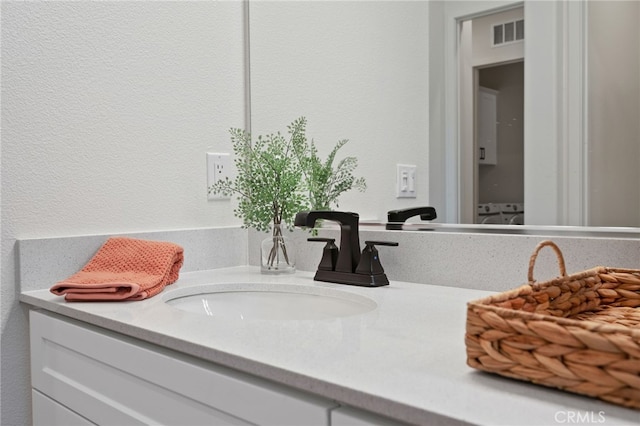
(113, 379)
(348, 416)
(46, 411)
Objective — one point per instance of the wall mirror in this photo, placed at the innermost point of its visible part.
(386, 76)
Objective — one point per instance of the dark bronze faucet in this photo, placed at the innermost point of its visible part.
(349, 266)
(396, 218)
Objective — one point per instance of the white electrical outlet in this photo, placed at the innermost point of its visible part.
(218, 168)
(406, 181)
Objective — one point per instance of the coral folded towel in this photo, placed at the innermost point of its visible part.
(124, 269)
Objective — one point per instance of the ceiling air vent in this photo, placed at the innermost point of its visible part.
(508, 32)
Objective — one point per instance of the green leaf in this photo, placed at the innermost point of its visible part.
(279, 176)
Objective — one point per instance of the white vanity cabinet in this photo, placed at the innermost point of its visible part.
(83, 374)
(46, 411)
(349, 416)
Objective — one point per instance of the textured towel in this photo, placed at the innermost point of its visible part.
(124, 269)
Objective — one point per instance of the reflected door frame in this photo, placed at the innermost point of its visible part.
(555, 114)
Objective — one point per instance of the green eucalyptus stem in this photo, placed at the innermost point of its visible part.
(279, 176)
(278, 243)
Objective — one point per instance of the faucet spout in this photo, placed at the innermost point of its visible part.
(349, 255)
(400, 216)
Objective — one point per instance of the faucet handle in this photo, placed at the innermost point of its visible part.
(329, 253)
(370, 260)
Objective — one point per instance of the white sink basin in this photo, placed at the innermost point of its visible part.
(269, 301)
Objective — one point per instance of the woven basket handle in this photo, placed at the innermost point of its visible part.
(534, 256)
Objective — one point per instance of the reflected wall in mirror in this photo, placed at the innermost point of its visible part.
(383, 74)
(613, 128)
(356, 71)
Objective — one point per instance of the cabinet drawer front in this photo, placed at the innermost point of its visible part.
(348, 416)
(113, 379)
(47, 412)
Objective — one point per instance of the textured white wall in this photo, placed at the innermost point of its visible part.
(357, 71)
(108, 109)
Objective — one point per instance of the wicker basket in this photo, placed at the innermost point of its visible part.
(579, 333)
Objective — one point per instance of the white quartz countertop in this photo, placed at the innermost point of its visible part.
(405, 359)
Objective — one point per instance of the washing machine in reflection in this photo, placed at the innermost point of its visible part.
(512, 213)
(489, 213)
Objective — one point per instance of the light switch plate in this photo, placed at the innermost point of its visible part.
(406, 181)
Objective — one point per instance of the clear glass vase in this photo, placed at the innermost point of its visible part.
(277, 253)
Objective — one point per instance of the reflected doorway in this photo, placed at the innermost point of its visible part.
(491, 60)
(499, 141)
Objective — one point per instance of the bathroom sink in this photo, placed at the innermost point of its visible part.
(269, 301)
